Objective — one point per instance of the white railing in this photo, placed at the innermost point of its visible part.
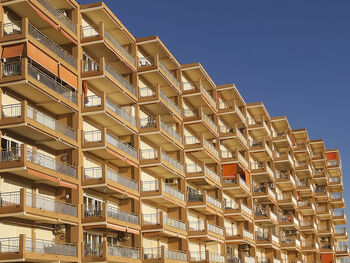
(215, 229)
(211, 148)
(121, 112)
(172, 161)
(248, 234)
(168, 74)
(216, 258)
(214, 201)
(125, 147)
(171, 131)
(246, 209)
(193, 168)
(116, 177)
(118, 46)
(208, 97)
(275, 239)
(209, 122)
(190, 139)
(170, 102)
(176, 223)
(174, 192)
(211, 174)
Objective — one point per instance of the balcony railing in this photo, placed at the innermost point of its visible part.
(208, 97)
(121, 145)
(47, 42)
(193, 168)
(12, 28)
(59, 15)
(116, 75)
(168, 74)
(50, 123)
(196, 226)
(171, 131)
(50, 163)
(116, 177)
(195, 197)
(172, 161)
(121, 215)
(211, 147)
(209, 122)
(212, 174)
(216, 258)
(124, 252)
(174, 192)
(93, 172)
(216, 229)
(121, 112)
(175, 255)
(169, 102)
(214, 201)
(248, 234)
(118, 46)
(149, 154)
(11, 68)
(190, 140)
(50, 83)
(172, 222)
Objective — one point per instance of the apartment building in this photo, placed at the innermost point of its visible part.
(113, 151)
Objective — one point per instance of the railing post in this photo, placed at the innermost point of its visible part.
(23, 157)
(24, 67)
(207, 256)
(103, 100)
(103, 136)
(160, 216)
(25, 27)
(23, 198)
(104, 172)
(24, 108)
(104, 210)
(22, 244)
(101, 29)
(155, 62)
(162, 253)
(105, 248)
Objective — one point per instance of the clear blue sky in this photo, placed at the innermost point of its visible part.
(292, 55)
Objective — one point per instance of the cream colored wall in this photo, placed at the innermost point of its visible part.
(8, 185)
(44, 234)
(147, 209)
(14, 231)
(7, 100)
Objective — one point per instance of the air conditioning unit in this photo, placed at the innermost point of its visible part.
(243, 248)
(170, 181)
(59, 230)
(122, 236)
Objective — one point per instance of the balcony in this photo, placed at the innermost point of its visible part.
(324, 229)
(303, 166)
(29, 249)
(110, 217)
(321, 193)
(30, 82)
(227, 108)
(35, 125)
(204, 230)
(25, 30)
(237, 236)
(24, 162)
(202, 149)
(233, 132)
(260, 148)
(310, 246)
(307, 206)
(263, 170)
(98, 40)
(266, 240)
(290, 244)
(160, 133)
(25, 205)
(162, 193)
(283, 158)
(236, 186)
(263, 191)
(155, 72)
(206, 256)
(265, 216)
(339, 216)
(282, 137)
(108, 181)
(199, 96)
(342, 250)
(337, 200)
(285, 179)
(162, 254)
(259, 123)
(340, 232)
(286, 220)
(103, 112)
(238, 210)
(305, 186)
(161, 224)
(202, 175)
(335, 181)
(200, 122)
(308, 226)
(287, 200)
(204, 203)
(108, 147)
(323, 211)
(234, 156)
(155, 98)
(326, 246)
(106, 79)
(161, 163)
(110, 253)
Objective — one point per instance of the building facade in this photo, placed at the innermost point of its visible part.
(113, 151)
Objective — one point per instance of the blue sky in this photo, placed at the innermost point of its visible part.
(292, 55)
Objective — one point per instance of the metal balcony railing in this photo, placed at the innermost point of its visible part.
(125, 147)
(195, 197)
(118, 46)
(150, 186)
(12, 28)
(216, 258)
(174, 192)
(196, 225)
(93, 249)
(175, 255)
(149, 154)
(171, 131)
(214, 201)
(172, 161)
(117, 76)
(170, 102)
(216, 229)
(121, 112)
(169, 221)
(152, 253)
(211, 174)
(122, 215)
(193, 168)
(11, 68)
(93, 172)
(124, 252)
(168, 74)
(209, 122)
(11, 110)
(208, 97)
(197, 256)
(47, 42)
(59, 15)
(50, 247)
(116, 177)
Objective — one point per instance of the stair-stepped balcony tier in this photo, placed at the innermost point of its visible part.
(337, 200)
(159, 132)
(162, 225)
(290, 244)
(27, 122)
(236, 185)
(199, 96)
(262, 170)
(233, 136)
(306, 206)
(109, 217)
(160, 163)
(110, 253)
(324, 230)
(338, 216)
(288, 221)
(283, 158)
(323, 211)
(105, 113)
(25, 205)
(164, 255)
(154, 71)
(260, 149)
(227, 109)
(305, 186)
(238, 211)
(310, 246)
(201, 149)
(285, 179)
(157, 101)
(201, 175)
(204, 203)
(20, 30)
(238, 236)
(302, 147)
(205, 256)
(326, 247)
(39, 12)
(322, 193)
(104, 78)
(342, 250)
(259, 126)
(340, 232)
(320, 174)
(263, 192)
(24, 162)
(265, 216)
(308, 227)
(102, 42)
(303, 166)
(108, 181)
(32, 83)
(205, 231)
(108, 147)
(266, 240)
(336, 182)
(200, 122)
(287, 200)
(229, 156)
(22, 248)
(282, 138)
(163, 194)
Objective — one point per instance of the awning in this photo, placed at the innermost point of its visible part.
(229, 170)
(331, 156)
(12, 51)
(68, 76)
(40, 57)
